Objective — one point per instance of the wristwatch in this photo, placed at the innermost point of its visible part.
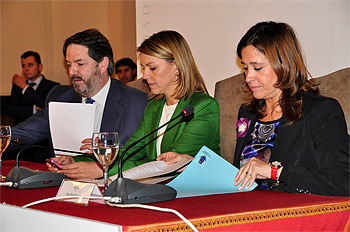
(275, 166)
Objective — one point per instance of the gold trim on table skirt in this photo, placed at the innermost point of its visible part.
(243, 218)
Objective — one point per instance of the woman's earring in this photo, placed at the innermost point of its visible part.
(177, 73)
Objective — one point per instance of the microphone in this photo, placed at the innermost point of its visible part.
(26, 178)
(133, 192)
(19, 141)
(187, 110)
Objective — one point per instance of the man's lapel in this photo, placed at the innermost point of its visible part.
(113, 110)
(75, 98)
(41, 85)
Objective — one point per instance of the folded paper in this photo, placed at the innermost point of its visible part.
(207, 174)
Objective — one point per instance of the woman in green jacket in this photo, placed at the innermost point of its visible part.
(174, 79)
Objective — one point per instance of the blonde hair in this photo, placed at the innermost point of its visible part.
(172, 46)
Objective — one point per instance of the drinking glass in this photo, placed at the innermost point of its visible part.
(5, 136)
(105, 146)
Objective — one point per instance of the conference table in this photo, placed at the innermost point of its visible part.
(245, 211)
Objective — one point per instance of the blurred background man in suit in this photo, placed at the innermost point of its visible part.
(126, 70)
(29, 89)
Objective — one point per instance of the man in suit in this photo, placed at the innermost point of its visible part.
(89, 58)
(30, 89)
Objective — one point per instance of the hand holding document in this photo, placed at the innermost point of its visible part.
(207, 174)
(144, 172)
(70, 123)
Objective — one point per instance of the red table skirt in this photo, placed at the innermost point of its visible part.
(246, 211)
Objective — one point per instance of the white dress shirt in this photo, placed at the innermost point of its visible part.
(100, 100)
(168, 111)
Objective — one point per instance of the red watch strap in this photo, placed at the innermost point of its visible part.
(274, 173)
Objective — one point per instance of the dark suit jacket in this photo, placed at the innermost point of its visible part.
(21, 105)
(123, 111)
(314, 151)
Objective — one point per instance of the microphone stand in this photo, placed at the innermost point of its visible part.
(133, 192)
(120, 173)
(26, 178)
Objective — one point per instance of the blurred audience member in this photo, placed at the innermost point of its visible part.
(126, 70)
(29, 89)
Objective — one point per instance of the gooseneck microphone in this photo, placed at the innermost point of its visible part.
(186, 111)
(26, 178)
(19, 141)
(133, 192)
(45, 148)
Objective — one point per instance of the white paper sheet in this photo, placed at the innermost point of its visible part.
(154, 180)
(70, 123)
(151, 169)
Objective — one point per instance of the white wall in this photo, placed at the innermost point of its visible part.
(213, 29)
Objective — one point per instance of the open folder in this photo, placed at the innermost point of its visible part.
(207, 174)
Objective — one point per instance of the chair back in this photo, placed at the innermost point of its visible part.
(229, 93)
(337, 85)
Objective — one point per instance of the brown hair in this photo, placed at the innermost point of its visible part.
(172, 46)
(98, 45)
(280, 45)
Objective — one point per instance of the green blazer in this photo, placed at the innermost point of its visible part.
(181, 136)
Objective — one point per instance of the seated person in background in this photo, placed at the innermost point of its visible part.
(289, 137)
(89, 58)
(126, 70)
(30, 89)
(174, 79)
(28, 94)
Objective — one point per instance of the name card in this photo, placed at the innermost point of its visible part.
(78, 189)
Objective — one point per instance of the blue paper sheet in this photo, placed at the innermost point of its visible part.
(207, 174)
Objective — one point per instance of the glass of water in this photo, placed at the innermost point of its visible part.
(5, 136)
(105, 146)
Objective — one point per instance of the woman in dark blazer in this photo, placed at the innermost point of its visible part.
(289, 137)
